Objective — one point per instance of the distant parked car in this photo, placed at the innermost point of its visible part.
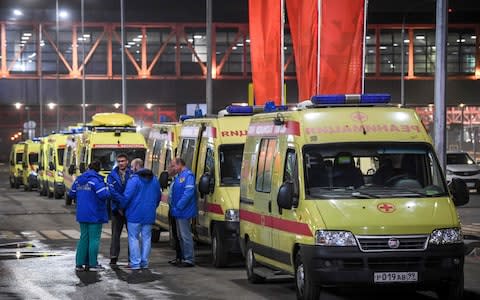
(461, 165)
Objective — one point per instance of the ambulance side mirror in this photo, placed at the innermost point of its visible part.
(459, 190)
(51, 166)
(82, 167)
(163, 179)
(71, 169)
(205, 185)
(285, 196)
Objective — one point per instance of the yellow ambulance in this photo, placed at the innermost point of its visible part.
(16, 168)
(213, 149)
(42, 167)
(56, 144)
(347, 191)
(161, 149)
(31, 152)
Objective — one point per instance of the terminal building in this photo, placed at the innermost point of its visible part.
(166, 53)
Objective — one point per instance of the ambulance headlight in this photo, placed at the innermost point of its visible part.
(231, 215)
(446, 236)
(335, 238)
(60, 174)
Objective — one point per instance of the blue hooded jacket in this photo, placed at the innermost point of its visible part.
(141, 197)
(116, 187)
(92, 194)
(184, 198)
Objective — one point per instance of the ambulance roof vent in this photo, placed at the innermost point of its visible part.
(351, 99)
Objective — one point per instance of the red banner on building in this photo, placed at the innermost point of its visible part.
(265, 30)
(337, 67)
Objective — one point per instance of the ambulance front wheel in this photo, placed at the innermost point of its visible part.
(452, 290)
(304, 287)
(219, 253)
(250, 265)
(155, 235)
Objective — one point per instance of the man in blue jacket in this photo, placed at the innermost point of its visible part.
(117, 181)
(140, 201)
(91, 195)
(184, 208)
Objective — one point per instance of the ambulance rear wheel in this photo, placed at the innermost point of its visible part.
(17, 184)
(250, 265)
(219, 253)
(303, 286)
(12, 184)
(68, 200)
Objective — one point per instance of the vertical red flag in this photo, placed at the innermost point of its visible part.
(341, 45)
(265, 25)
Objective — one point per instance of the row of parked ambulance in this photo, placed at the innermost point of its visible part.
(338, 190)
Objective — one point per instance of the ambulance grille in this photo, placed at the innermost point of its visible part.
(392, 243)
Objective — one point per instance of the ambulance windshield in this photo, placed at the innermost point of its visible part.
(107, 157)
(372, 170)
(230, 164)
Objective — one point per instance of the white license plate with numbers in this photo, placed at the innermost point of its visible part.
(395, 277)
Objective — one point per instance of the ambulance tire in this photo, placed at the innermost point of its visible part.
(49, 194)
(68, 200)
(56, 194)
(171, 241)
(155, 235)
(17, 184)
(452, 290)
(219, 253)
(12, 183)
(250, 265)
(303, 286)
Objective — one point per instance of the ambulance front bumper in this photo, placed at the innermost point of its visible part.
(348, 266)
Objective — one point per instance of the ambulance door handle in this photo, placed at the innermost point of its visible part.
(269, 206)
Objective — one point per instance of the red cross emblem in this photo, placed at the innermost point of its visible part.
(386, 207)
(359, 116)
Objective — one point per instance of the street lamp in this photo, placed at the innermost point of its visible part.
(18, 105)
(51, 105)
(149, 105)
(116, 105)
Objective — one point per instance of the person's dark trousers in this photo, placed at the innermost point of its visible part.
(118, 221)
(173, 225)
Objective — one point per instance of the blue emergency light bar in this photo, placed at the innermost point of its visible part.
(239, 109)
(351, 99)
(271, 107)
(185, 117)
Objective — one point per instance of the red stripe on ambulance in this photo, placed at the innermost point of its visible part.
(276, 223)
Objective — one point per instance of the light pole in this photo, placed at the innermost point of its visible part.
(462, 135)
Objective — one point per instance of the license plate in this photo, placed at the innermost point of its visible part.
(395, 277)
(471, 184)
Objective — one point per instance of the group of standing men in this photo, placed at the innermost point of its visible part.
(131, 197)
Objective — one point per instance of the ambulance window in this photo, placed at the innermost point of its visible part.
(188, 148)
(168, 159)
(209, 163)
(157, 151)
(291, 170)
(60, 153)
(230, 160)
(264, 166)
(68, 157)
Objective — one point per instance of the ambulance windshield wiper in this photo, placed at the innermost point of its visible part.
(363, 195)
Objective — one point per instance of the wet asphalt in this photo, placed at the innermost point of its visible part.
(38, 237)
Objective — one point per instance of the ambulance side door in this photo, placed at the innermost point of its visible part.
(205, 164)
(262, 239)
(284, 218)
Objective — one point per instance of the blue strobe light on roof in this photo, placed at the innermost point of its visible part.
(351, 99)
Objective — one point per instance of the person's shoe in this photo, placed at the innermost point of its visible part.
(185, 265)
(174, 261)
(133, 268)
(113, 261)
(96, 268)
(79, 269)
